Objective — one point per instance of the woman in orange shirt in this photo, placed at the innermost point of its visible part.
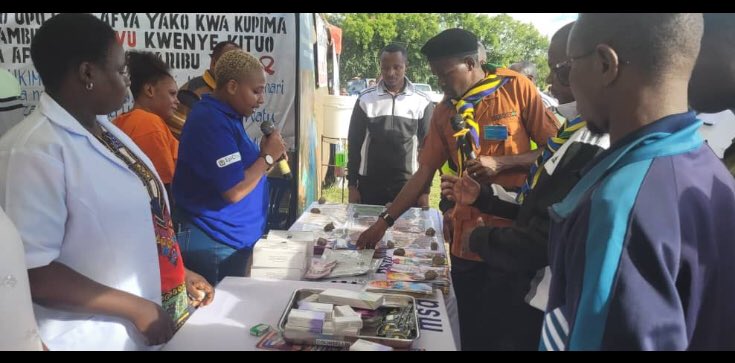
(154, 91)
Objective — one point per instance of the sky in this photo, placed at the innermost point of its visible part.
(546, 23)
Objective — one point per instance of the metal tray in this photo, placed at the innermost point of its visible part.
(390, 300)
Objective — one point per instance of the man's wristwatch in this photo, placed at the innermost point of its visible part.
(268, 160)
(387, 218)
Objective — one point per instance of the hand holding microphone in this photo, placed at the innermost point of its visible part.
(273, 145)
(465, 143)
(480, 169)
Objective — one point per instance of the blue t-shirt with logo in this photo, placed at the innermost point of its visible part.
(214, 152)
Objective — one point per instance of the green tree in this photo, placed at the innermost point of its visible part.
(364, 34)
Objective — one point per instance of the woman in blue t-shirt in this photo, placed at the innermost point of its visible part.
(219, 184)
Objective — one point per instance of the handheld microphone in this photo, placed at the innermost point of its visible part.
(458, 124)
(267, 128)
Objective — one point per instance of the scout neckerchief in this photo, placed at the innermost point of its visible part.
(553, 144)
(466, 108)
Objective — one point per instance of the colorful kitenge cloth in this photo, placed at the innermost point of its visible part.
(173, 282)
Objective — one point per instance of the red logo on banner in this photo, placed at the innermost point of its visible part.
(267, 62)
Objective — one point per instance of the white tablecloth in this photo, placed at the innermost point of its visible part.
(242, 302)
(450, 300)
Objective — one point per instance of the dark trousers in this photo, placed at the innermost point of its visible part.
(491, 309)
(378, 191)
(468, 282)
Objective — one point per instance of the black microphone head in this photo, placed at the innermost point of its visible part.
(458, 123)
(267, 127)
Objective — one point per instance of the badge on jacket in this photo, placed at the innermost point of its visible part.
(495, 132)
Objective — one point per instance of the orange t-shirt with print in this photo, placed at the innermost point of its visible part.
(517, 106)
(151, 134)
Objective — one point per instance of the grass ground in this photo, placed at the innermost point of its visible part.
(333, 194)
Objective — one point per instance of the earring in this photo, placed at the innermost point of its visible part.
(90, 85)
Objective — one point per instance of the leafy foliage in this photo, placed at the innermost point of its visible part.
(364, 34)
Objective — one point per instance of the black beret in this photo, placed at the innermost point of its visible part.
(451, 42)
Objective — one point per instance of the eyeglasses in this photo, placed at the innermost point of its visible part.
(563, 69)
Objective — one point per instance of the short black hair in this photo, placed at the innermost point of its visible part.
(392, 48)
(219, 47)
(652, 41)
(65, 41)
(144, 68)
(562, 35)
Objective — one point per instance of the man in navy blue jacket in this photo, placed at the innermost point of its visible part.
(642, 250)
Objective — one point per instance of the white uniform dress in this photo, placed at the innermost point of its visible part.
(76, 203)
